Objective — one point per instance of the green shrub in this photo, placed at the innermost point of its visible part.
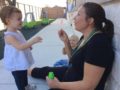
(34, 24)
(38, 23)
(51, 20)
(46, 21)
(31, 25)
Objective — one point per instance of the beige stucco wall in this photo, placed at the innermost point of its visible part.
(54, 12)
(70, 15)
(78, 2)
(112, 12)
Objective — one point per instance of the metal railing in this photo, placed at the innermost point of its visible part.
(25, 8)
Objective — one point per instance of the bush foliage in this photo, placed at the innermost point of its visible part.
(35, 24)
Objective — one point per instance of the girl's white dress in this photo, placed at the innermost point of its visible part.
(15, 59)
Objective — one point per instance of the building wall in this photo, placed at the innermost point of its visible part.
(55, 12)
(2, 3)
(112, 12)
(78, 2)
(70, 15)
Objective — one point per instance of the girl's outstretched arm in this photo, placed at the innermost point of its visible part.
(21, 46)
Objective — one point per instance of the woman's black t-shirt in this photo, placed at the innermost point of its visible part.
(97, 51)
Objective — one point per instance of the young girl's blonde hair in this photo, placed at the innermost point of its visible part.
(75, 37)
(7, 11)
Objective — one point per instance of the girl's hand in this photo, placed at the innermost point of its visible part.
(53, 83)
(37, 39)
(31, 48)
(63, 36)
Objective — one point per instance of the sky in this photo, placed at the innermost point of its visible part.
(43, 3)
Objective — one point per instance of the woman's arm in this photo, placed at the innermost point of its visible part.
(92, 76)
(21, 46)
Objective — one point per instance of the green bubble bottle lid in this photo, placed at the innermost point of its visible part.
(51, 75)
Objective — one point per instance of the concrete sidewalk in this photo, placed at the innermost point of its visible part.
(45, 53)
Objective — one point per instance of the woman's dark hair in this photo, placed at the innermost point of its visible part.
(98, 14)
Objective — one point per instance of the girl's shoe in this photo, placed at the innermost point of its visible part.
(30, 87)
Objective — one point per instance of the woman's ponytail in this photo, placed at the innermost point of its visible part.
(108, 28)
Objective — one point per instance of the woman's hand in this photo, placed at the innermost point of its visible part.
(53, 83)
(63, 36)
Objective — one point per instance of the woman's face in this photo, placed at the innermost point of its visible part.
(80, 20)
